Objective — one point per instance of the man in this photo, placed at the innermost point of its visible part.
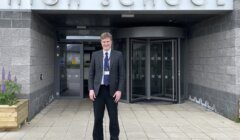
(106, 84)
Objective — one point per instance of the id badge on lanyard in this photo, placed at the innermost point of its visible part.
(107, 72)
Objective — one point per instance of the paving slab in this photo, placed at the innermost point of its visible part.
(72, 119)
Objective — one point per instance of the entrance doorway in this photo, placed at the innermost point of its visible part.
(153, 69)
(73, 66)
(151, 57)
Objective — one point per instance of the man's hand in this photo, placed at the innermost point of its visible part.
(92, 95)
(117, 96)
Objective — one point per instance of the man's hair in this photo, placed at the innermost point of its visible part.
(106, 35)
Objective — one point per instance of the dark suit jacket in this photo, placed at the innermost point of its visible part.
(117, 74)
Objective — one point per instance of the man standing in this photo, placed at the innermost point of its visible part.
(106, 84)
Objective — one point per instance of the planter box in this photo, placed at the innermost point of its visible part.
(13, 116)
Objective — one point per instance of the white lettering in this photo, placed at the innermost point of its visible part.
(172, 2)
(126, 2)
(145, 2)
(78, 2)
(221, 2)
(50, 2)
(105, 2)
(10, 2)
(198, 2)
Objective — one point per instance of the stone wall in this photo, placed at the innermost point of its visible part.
(213, 62)
(15, 46)
(27, 49)
(41, 63)
(237, 47)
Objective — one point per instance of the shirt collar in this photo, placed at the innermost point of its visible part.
(109, 52)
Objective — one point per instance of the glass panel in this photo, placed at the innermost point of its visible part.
(121, 45)
(161, 59)
(70, 70)
(156, 69)
(138, 69)
(167, 69)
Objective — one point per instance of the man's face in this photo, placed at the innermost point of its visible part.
(106, 44)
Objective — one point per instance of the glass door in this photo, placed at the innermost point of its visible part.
(152, 71)
(70, 69)
(138, 66)
(156, 62)
(162, 70)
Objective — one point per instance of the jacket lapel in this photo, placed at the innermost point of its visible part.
(111, 59)
(100, 59)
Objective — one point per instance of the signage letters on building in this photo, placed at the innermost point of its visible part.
(10, 2)
(131, 2)
(50, 2)
(126, 2)
(221, 2)
(172, 2)
(69, 2)
(119, 4)
(198, 2)
(145, 2)
(105, 2)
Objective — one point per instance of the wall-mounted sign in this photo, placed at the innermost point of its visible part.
(120, 5)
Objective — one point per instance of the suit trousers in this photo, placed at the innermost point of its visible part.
(105, 99)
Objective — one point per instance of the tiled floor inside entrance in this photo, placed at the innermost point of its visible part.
(71, 119)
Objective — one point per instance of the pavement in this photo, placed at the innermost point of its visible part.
(72, 119)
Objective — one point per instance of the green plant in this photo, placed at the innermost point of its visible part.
(237, 120)
(8, 95)
(9, 89)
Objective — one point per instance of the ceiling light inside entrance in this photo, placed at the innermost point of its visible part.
(127, 15)
(81, 27)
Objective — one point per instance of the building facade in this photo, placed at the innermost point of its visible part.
(173, 50)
